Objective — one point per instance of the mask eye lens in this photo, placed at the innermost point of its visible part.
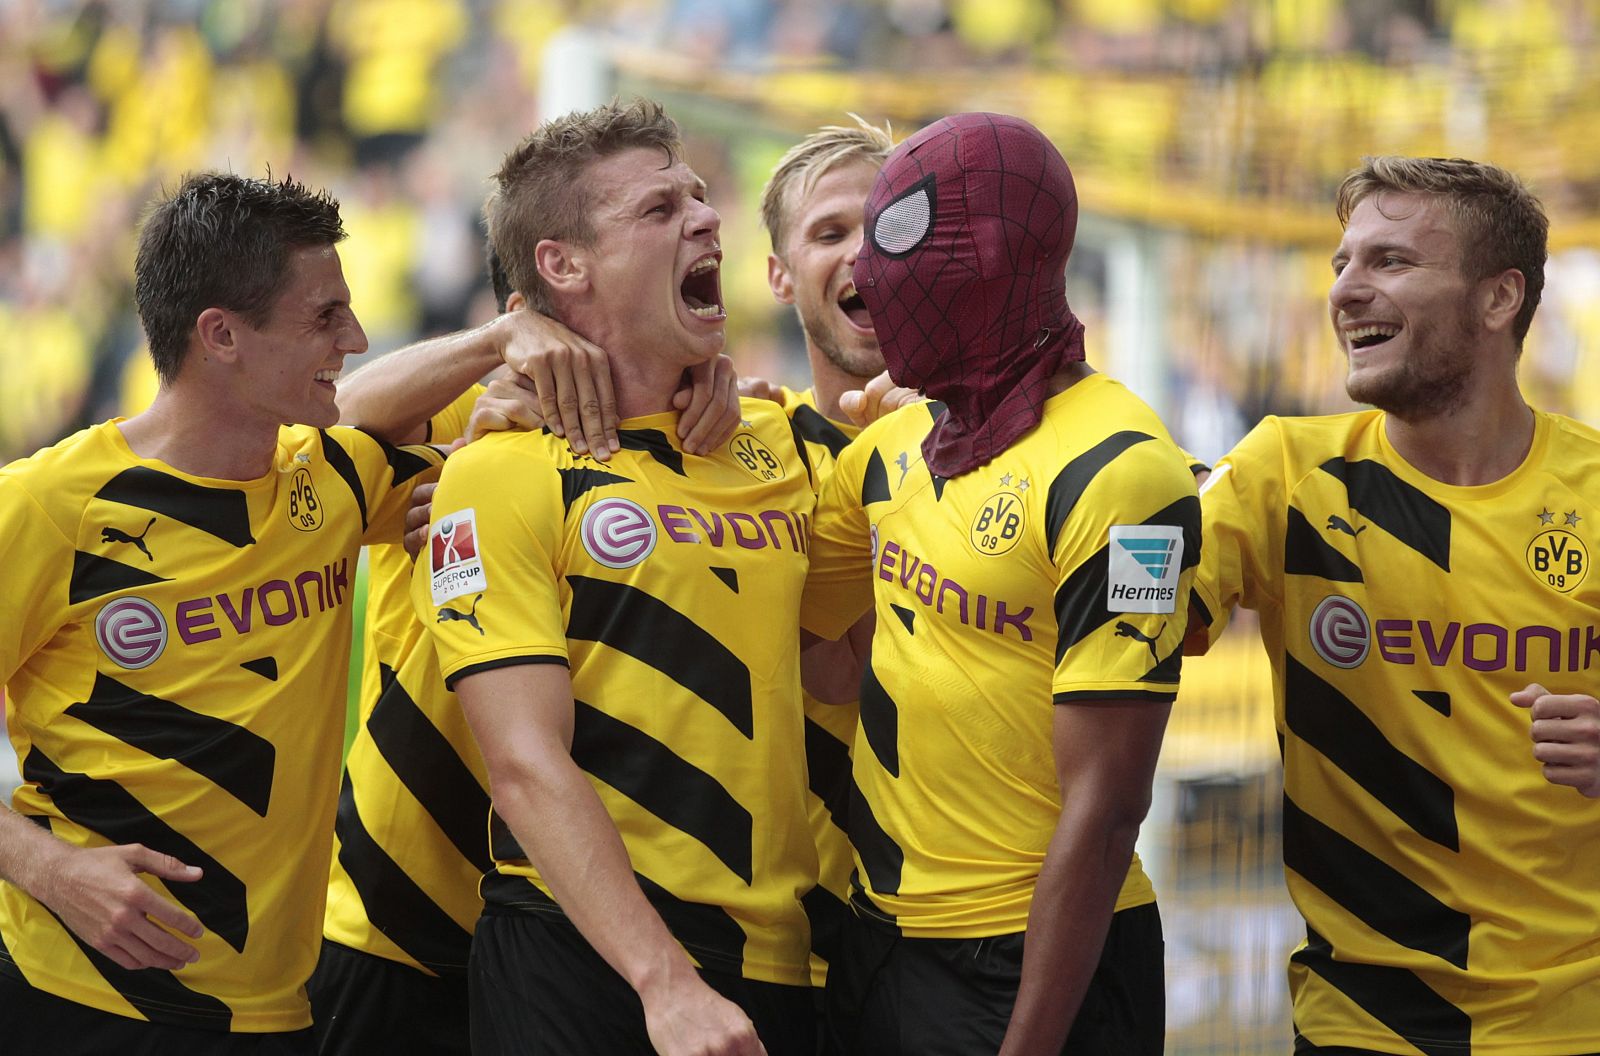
(903, 224)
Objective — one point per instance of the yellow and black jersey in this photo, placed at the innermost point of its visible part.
(1449, 891)
(1057, 574)
(830, 728)
(411, 840)
(669, 585)
(175, 650)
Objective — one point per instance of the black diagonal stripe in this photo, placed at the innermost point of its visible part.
(1168, 670)
(702, 928)
(1080, 602)
(94, 576)
(221, 512)
(345, 466)
(828, 772)
(395, 905)
(1307, 553)
(813, 426)
(574, 482)
(880, 721)
(1394, 997)
(404, 463)
(654, 443)
(265, 666)
(664, 783)
(875, 480)
(1200, 609)
(109, 810)
(1436, 700)
(1371, 890)
(883, 858)
(803, 450)
(515, 892)
(1400, 509)
(240, 761)
(156, 992)
(907, 617)
(653, 632)
(935, 408)
(1328, 721)
(430, 768)
(729, 577)
(1075, 476)
(828, 916)
(503, 847)
(938, 485)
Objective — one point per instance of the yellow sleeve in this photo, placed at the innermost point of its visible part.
(388, 475)
(37, 558)
(450, 424)
(1242, 505)
(839, 585)
(1125, 557)
(487, 586)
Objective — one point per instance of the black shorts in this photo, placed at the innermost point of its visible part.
(538, 987)
(889, 994)
(363, 1004)
(36, 1023)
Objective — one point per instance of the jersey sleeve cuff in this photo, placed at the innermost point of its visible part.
(457, 675)
(1108, 696)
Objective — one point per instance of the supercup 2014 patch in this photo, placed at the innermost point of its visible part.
(1144, 562)
(618, 533)
(131, 631)
(453, 560)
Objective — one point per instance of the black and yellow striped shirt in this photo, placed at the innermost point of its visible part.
(670, 586)
(175, 651)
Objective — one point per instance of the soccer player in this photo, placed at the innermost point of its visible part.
(1027, 543)
(623, 639)
(812, 208)
(177, 633)
(1415, 567)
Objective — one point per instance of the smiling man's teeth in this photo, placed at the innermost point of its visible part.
(707, 264)
(1365, 332)
(710, 311)
(848, 292)
(327, 375)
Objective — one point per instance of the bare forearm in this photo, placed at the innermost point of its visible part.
(28, 853)
(393, 397)
(558, 818)
(1084, 869)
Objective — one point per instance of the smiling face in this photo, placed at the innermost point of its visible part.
(814, 272)
(654, 265)
(1403, 309)
(289, 363)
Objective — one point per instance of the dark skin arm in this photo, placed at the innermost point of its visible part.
(1105, 760)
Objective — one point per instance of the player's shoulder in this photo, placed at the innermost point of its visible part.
(1302, 443)
(1573, 445)
(61, 477)
(905, 424)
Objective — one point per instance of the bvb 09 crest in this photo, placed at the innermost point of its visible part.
(1558, 558)
(998, 523)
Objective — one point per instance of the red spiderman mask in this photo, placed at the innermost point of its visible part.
(969, 227)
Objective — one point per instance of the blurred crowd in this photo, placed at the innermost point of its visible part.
(1173, 112)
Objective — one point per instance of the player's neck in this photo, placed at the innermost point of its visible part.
(829, 382)
(202, 438)
(644, 384)
(1483, 440)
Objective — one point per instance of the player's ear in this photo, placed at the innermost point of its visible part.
(1502, 299)
(560, 266)
(217, 330)
(516, 302)
(779, 279)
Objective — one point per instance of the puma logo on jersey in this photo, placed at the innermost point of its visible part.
(117, 535)
(1339, 524)
(471, 615)
(904, 462)
(1128, 630)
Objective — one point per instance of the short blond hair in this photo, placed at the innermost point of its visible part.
(1499, 221)
(812, 158)
(540, 191)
